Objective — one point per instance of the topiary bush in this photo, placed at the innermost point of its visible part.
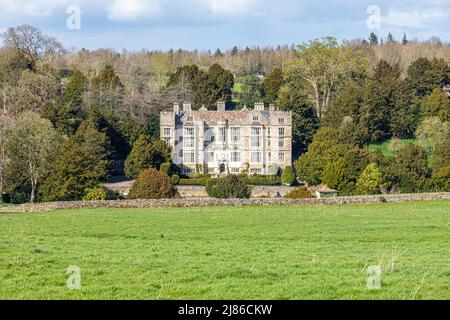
(175, 179)
(288, 176)
(95, 194)
(230, 187)
(166, 168)
(152, 184)
(210, 183)
(300, 193)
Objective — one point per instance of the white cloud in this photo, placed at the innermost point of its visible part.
(130, 10)
(31, 8)
(415, 18)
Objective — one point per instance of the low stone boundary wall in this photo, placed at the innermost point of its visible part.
(207, 202)
(257, 191)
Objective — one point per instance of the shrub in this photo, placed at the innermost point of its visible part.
(370, 180)
(95, 194)
(175, 179)
(193, 182)
(230, 187)
(152, 184)
(261, 180)
(300, 193)
(441, 179)
(288, 176)
(210, 183)
(166, 168)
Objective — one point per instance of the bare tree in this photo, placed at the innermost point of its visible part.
(5, 131)
(31, 42)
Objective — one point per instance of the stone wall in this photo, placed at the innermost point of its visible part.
(206, 202)
(257, 191)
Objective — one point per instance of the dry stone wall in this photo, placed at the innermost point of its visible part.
(211, 202)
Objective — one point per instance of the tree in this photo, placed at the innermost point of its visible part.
(230, 187)
(305, 121)
(106, 90)
(152, 184)
(35, 92)
(6, 125)
(32, 148)
(378, 101)
(436, 104)
(322, 65)
(373, 39)
(441, 155)
(424, 75)
(220, 84)
(390, 39)
(251, 91)
(146, 154)
(272, 85)
(404, 39)
(288, 176)
(31, 42)
(432, 132)
(82, 162)
(370, 180)
(409, 171)
(343, 171)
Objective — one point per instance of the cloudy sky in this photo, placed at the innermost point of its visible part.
(211, 24)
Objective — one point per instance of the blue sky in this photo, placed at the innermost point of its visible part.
(211, 24)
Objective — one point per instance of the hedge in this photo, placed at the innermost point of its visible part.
(262, 181)
(193, 182)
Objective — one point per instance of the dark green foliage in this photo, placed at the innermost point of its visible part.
(146, 154)
(259, 180)
(373, 39)
(288, 176)
(81, 163)
(305, 122)
(152, 184)
(272, 85)
(409, 171)
(425, 75)
(436, 104)
(201, 87)
(300, 193)
(230, 187)
(193, 182)
(343, 171)
(440, 180)
(210, 183)
(175, 179)
(251, 91)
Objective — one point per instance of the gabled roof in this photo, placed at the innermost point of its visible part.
(323, 188)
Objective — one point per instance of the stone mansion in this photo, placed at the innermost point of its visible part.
(228, 142)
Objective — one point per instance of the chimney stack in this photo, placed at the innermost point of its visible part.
(221, 106)
(272, 107)
(187, 107)
(176, 108)
(259, 106)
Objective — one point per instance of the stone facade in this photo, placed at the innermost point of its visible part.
(224, 142)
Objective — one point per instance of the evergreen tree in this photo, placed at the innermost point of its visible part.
(251, 90)
(272, 85)
(373, 39)
(370, 180)
(81, 164)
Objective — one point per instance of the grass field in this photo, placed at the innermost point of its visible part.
(311, 252)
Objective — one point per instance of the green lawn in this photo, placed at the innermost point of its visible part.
(311, 252)
(384, 146)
